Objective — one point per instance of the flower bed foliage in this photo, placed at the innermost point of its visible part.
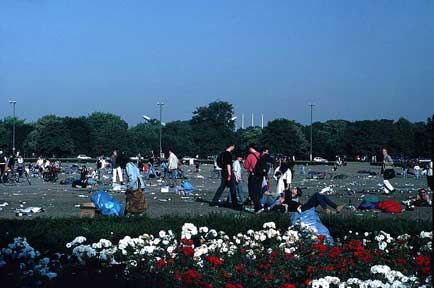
(199, 256)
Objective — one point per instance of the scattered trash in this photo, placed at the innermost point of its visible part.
(4, 204)
(28, 211)
(165, 189)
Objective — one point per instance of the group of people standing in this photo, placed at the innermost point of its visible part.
(257, 165)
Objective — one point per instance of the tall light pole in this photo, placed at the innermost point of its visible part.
(311, 108)
(13, 102)
(161, 126)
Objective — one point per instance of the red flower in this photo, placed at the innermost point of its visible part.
(307, 281)
(214, 260)
(274, 254)
(188, 251)
(321, 237)
(320, 247)
(240, 267)
(287, 285)
(190, 276)
(354, 244)
(334, 252)
(268, 277)
(421, 260)
(171, 261)
(329, 268)
(160, 263)
(400, 261)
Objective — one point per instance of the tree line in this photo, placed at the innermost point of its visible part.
(207, 133)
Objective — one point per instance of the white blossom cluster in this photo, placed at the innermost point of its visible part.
(383, 240)
(31, 263)
(390, 279)
(147, 250)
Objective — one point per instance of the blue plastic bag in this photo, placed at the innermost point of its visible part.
(107, 205)
(188, 188)
(311, 219)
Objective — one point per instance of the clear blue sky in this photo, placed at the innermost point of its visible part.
(354, 59)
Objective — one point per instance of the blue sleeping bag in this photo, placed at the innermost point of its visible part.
(311, 219)
(107, 205)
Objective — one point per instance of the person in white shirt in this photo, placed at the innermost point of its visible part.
(173, 167)
(236, 167)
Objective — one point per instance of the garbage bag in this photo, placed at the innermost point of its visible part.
(107, 205)
(311, 219)
(188, 188)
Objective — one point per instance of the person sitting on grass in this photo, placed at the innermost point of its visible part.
(291, 202)
(422, 200)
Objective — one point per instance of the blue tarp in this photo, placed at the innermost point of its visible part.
(311, 219)
(188, 188)
(107, 205)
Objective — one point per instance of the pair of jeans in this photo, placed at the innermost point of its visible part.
(318, 199)
(173, 176)
(223, 184)
(240, 193)
(255, 190)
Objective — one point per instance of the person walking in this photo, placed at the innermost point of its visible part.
(116, 168)
(388, 172)
(227, 178)
(173, 167)
(135, 196)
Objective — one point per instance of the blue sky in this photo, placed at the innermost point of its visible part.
(354, 59)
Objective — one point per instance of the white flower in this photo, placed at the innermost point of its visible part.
(269, 225)
(162, 234)
(203, 229)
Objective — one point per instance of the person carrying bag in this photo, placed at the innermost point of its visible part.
(135, 196)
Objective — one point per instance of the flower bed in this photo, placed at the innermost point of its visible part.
(204, 257)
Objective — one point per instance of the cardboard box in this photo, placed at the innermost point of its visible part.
(88, 210)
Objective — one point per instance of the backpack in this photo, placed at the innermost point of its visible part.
(261, 167)
(220, 160)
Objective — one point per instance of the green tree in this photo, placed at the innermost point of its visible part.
(22, 129)
(80, 133)
(285, 137)
(108, 132)
(178, 135)
(51, 137)
(250, 135)
(212, 127)
(144, 137)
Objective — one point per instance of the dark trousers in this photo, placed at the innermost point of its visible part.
(255, 193)
(223, 184)
(318, 199)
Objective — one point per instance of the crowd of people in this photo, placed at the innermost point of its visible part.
(230, 163)
(257, 164)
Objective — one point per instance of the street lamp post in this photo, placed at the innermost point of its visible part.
(161, 126)
(311, 108)
(13, 102)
